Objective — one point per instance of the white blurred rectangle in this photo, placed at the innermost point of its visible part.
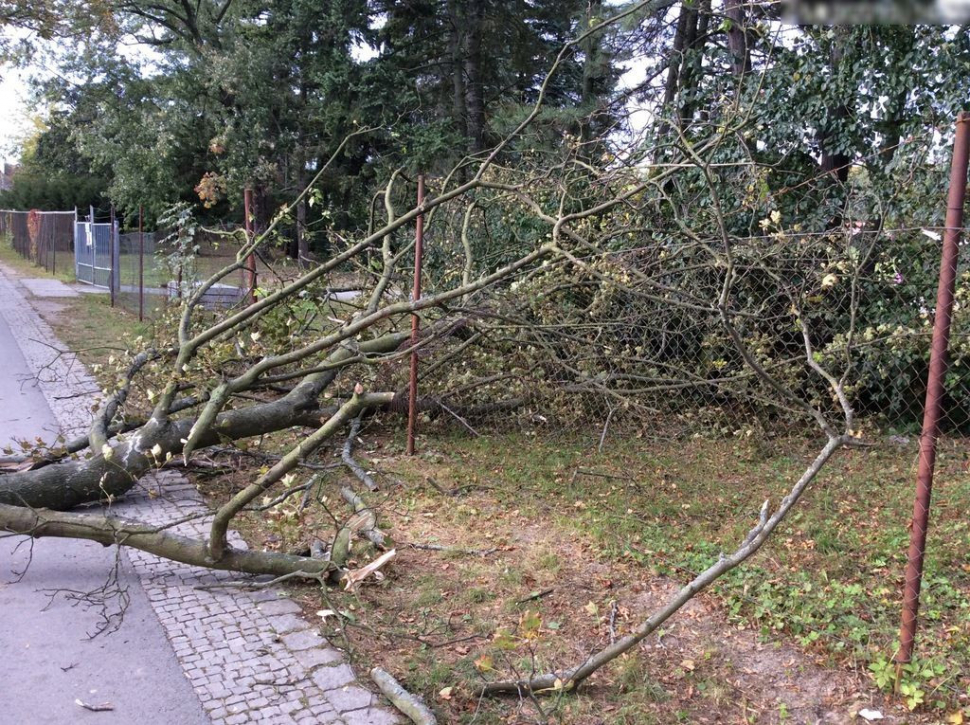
(876, 12)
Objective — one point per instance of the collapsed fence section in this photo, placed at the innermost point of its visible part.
(45, 238)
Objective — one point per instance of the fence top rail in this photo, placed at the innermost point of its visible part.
(27, 211)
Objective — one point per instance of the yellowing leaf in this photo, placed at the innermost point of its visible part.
(503, 640)
(445, 693)
(530, 622)
(592, 609)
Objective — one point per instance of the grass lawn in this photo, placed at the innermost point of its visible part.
(590, 543)
(27, 268)
(89, 325)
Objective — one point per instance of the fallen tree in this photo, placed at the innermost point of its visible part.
(235, 392)
(552, 313)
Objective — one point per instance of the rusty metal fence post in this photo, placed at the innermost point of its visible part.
(415, 320)
(934, 389)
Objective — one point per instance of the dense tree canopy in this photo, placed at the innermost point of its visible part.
(168, 100)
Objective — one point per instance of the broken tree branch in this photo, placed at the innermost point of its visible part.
(347, 457)
(570, 679)
(403, 700)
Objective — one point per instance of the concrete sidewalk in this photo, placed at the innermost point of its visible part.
(182, 654)
(49, 660)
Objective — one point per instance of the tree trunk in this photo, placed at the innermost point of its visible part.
(63, 486)
(737, 38)
(109, 530)
(690, 76)
(592, 74)
(458, 113)
(835, 162)
(474, 88)
(302, 243)
(672, 84)
(684, 35)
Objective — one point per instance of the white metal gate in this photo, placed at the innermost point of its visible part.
(96, 253)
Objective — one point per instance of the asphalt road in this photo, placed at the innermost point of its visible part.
(47, 660)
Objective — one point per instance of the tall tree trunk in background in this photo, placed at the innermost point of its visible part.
(674, 62)
(695, 38)
(458, 112)
(592, 62)
(737, 38)
(892, 127)
(474, 89)
(685, 32)
(592, 70)
(302, 243)
(835, 162)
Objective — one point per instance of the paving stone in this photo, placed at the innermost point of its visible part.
(317, 656)
(279, 606)
(328, 678)
(370, 716)
(350, 697)
(304, 639)
(284, 623)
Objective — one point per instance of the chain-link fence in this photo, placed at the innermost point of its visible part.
(143, 283)
(44, 238)
(659, 393)
(146, 268)
(154, 269)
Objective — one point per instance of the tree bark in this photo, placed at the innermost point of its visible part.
(474, 85)
(676, 55)
(457, 64)
(403, 700)
(690, 76)
(109, 530)
(63, 486)
(835, 162)
(737, 38)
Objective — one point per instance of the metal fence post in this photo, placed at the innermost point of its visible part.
(141, 263)
(415, 321)
(934, 389)
(111, 255)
